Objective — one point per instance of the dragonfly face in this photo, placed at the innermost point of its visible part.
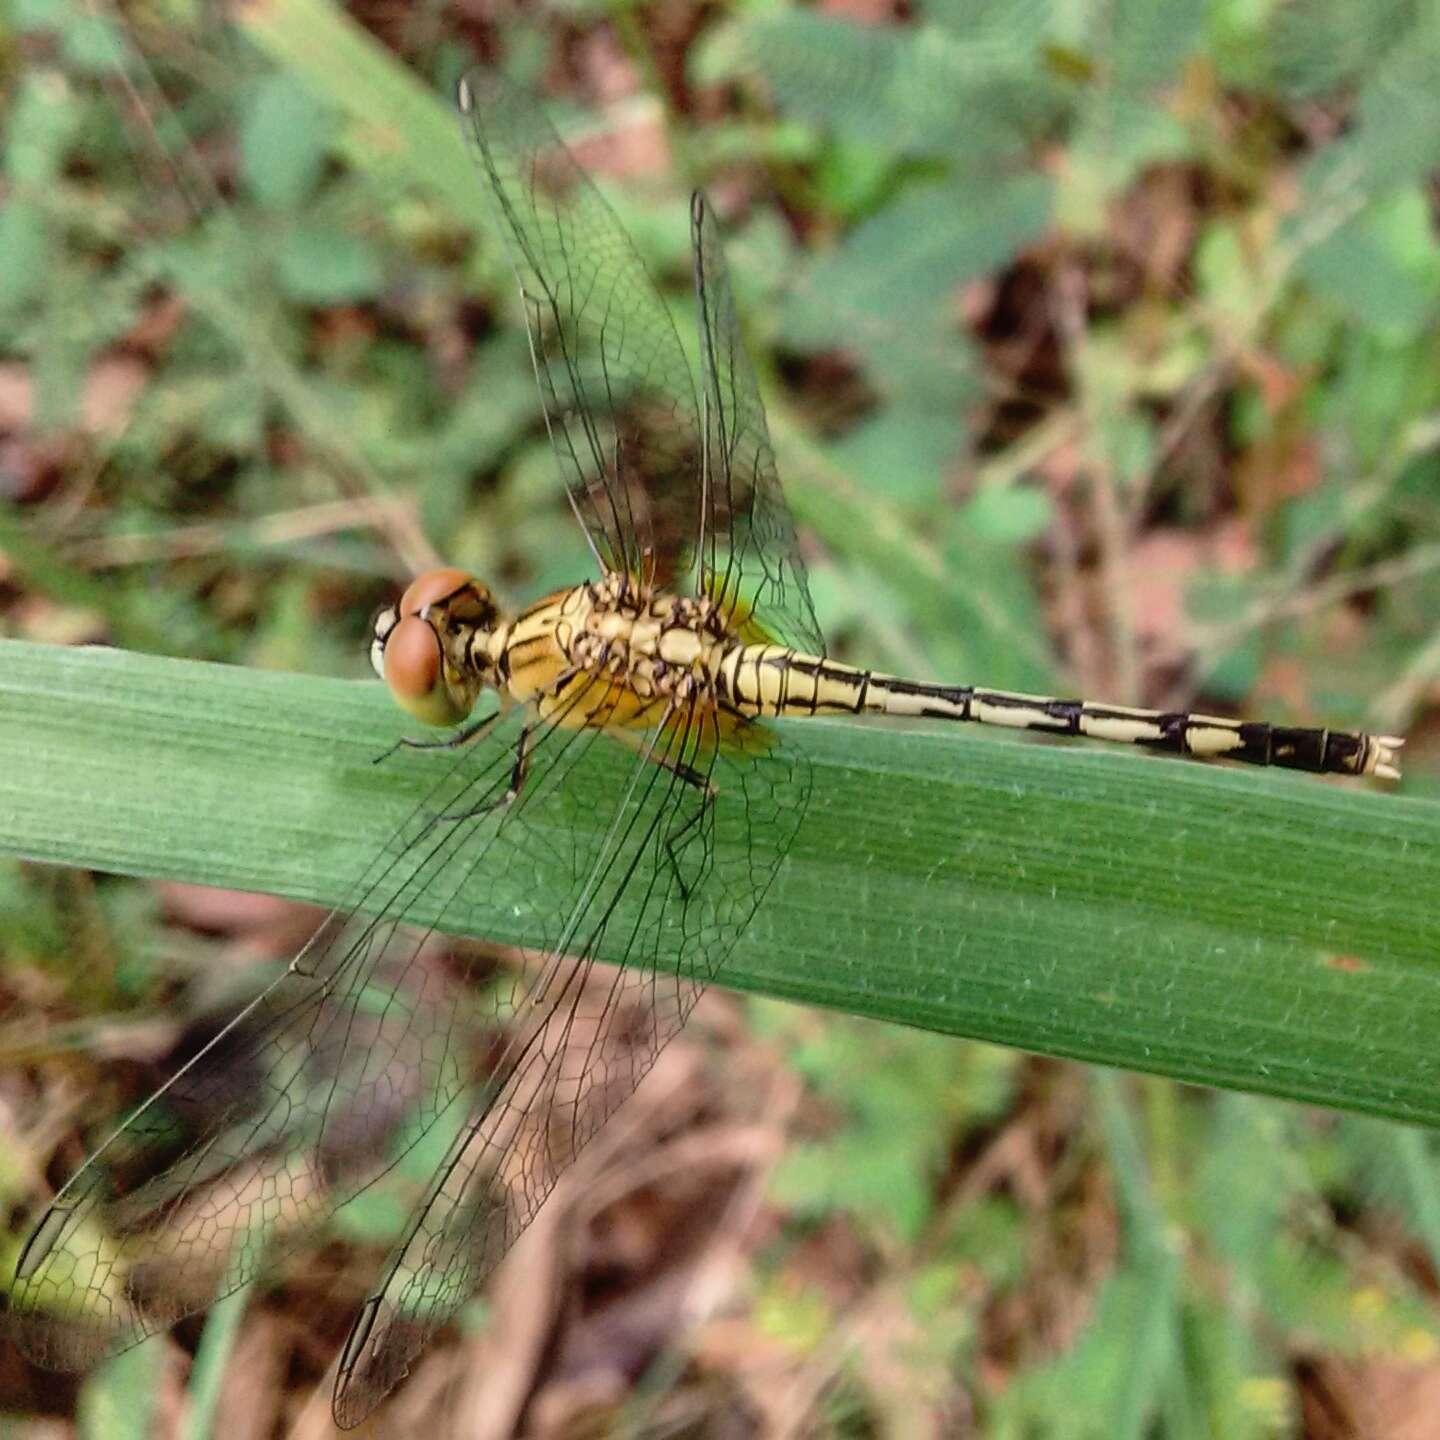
(433, 646)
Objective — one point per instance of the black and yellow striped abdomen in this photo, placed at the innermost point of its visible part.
(763, 681)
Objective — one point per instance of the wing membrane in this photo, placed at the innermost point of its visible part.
(346, 1051)
(355, 1052)
(294, 1107)
(291, 1102)
(618, 391)
(661, 495)
(676, 886)
(748, 549)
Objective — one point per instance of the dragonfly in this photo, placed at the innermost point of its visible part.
(696, 631)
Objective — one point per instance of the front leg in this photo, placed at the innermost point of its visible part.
(478, 730)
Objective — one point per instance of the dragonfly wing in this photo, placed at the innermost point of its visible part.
(291, 1110)
(749, 550)
(353, 1055)
(672, 891)
(618, 391)
(336, 1069)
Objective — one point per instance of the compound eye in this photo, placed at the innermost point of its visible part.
(414, 669)
(432, 587)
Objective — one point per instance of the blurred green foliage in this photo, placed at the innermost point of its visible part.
(1112, 321)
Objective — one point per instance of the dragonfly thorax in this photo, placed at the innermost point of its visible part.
(659, 645)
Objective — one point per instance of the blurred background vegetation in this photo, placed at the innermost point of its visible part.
(1099, 339)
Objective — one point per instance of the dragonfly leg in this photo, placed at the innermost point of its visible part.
(519, 769)
(476, 731)
(677, 840)
(688, 774)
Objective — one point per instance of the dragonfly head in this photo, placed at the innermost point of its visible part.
(422, 646)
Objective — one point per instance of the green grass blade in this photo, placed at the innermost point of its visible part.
(121, 1397)
(1267, 932)
(212, 1356)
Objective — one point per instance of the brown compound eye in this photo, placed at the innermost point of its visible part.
(414, 669)
(434, 586)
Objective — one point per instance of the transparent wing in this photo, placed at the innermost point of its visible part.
(341, 1067)
(678, 881)
(748, 547)
(354, 1055)
(299, 1103)
(661, 495)
(618, 391)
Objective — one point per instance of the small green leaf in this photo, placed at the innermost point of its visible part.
(914, 91)
(929, 240)
(41, 15)
(41, 122)
(23, 243)
(1382, 268)
(320, 265)
(284, 138)
(885, 292)
(903, 454)
(92, 42)
(993, 28)
(1314, 46)
(1227, 275)
(851, 176)
(1009, 515)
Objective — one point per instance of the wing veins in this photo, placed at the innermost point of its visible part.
(276, 1039)
(440, 1202)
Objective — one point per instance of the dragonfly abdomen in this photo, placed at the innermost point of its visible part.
(768, 681)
